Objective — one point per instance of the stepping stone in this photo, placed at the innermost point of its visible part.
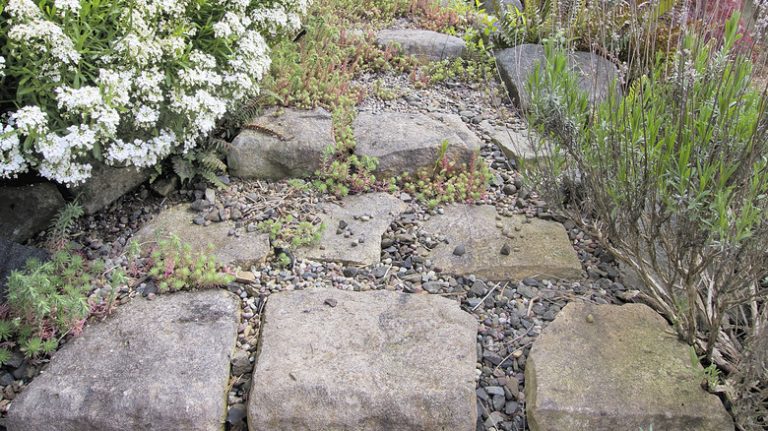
(535, 247)
(27, 210)
(154, 365)
(516, 65)
(287, 146)
(515, 144)
(341, 360)
(362, 217)
(405, 142)
(426, 44)
(107, 184)
(250, 248)
(14, 256)
(609, 367)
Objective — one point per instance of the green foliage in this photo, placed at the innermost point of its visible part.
(288, 233)
(47, 301)
(448, 181)
(176, 267)
(204, 162)
(63, 222)
(672, 179)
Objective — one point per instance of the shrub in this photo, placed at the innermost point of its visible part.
(672, 179)
(125, 82)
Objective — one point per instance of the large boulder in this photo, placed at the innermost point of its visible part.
(516, 65)
(27, 210)
(13, 257)
(407, 142)
(609, 367)
(107, 184)
(154, 365)
(365, 361)
(249, 248)
(429, 45)
(353, 229)
(274, 147)
(511, 248)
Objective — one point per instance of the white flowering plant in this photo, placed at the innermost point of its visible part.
(125, 82)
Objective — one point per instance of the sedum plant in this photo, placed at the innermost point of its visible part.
(47, 301)
(126, 82)
(672, 179)
(174, 266)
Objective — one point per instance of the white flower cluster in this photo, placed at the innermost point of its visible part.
(167, 75)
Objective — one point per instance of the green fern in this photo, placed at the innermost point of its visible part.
(64, 221)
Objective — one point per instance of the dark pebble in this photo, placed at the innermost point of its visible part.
(459, 250)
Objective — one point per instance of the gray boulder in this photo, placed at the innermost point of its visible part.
(365, 361)
(27, 210)
(154, 365)
(107, 184)
(516, 65)
(609, 367)
(426, 44)
(276, 147)
(14, 256)
(407, 142)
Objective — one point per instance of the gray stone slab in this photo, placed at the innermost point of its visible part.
(517, 64)
(406, 142)
(284, 146)
(365, 217)
(536, 248)
(516, 144)
(27, 210)
(154, 365)
(364, 361)
(609, 367)
(250, 248)
(107, 184)
(427, 44)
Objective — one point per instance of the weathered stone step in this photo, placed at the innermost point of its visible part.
(353, 229)
(427, 44)
(332, 359)
(250, 248)
(154, 365)
(608, 367)
(500, 248)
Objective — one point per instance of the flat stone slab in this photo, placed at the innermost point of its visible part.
(408, 142)
(427, 44)
(364, 361)
(274, 147)
(250, 248)
(27, 210)
(154, 365)
(361, 217)
(610, 367)
(535, 247)
(517, 64)
(520, 145)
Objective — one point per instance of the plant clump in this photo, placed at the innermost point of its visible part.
(47, 301)
(175, 266)
(125, 82)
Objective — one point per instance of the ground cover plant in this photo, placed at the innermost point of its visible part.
(672, 179)
(125, 82)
